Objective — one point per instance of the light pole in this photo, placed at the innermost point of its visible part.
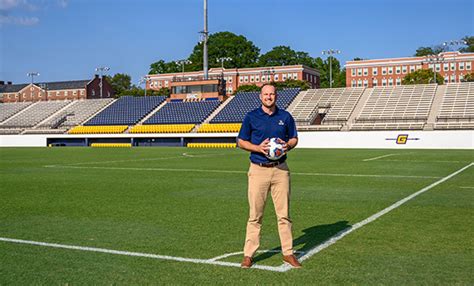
(222, 60)
(182, 63)
(101, 70)
(143, 79)
(32, 75)
(434, 59)
(330, 52)
(455, 44)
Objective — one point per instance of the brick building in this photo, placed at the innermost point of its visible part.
(388, 72)
(236, 77)
(60, 90)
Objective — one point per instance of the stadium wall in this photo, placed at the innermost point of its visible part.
(452, 139)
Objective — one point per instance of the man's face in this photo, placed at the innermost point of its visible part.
(268, 96)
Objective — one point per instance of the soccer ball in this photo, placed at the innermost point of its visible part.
(276, 150)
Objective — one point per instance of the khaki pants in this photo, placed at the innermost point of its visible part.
(262, 180)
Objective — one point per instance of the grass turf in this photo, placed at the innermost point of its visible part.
(138, 200)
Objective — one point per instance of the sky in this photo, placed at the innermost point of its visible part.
(68, 39)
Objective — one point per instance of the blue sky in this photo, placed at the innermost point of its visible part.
(67, 39)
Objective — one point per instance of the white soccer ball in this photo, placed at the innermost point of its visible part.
(276, 150)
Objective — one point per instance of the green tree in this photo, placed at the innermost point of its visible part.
(225, 44)
(469, 46)
(422, 76)
(164, 67)
(292, 83)
(338, 75)
(120, 82)
(468, 77)
(425, 51)
(284, 56)
(247, 87)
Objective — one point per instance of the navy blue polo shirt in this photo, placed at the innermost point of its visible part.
(258, 126)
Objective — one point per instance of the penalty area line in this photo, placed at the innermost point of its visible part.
(140, 254)
(375, 216)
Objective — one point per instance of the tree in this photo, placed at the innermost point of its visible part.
(469, 46)
(247, 87)
(164, 67)
(422, 76)
(120, 82)
(338, 75)
(284, 56)
(292, 83)
(468, 77)
(425, 51)
(225, 44)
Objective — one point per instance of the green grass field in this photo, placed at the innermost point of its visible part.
(159, 201)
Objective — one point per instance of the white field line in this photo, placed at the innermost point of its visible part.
(373, 217)
(234, 171)
(379, 157)
(138, 254)
(467, 187)
(421, 161)
(184, 155)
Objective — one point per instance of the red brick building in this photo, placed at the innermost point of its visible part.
(236, 77)
(388, 72)
(62, 90)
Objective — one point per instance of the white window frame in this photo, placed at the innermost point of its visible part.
(375, 71)
(404, 69)
(366, 71)
(390, 70)
(384, 70)
(398, 70)
(468, 66)
(353, 72)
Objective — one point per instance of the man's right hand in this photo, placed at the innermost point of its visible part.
(264, 146)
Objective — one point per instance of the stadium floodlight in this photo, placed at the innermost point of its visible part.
(182, 63)
(143, 79)
(32, 75)
(454, 43)
(330, 54)
(434, 59)
(101, 70)
(222, 60)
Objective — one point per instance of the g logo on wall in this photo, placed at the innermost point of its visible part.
(402, 139)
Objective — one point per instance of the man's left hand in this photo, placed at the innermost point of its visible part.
(284, 144)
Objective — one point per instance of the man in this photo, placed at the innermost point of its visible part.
(266, 176)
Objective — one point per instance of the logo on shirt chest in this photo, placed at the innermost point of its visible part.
(281, 123)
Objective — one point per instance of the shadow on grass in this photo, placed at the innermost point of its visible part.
(312, 237)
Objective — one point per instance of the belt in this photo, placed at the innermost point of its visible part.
(270, 164)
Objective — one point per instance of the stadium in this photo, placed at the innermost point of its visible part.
(152, 189)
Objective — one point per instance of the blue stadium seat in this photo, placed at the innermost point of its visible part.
(183, 112)
(246, 101)
(127, 110)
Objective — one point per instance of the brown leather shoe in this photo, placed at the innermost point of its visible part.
(291, 259)
(246, 262)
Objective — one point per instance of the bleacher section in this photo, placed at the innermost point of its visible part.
(399, 107)
(410, 107)
(336, 103)
(183, 112)
(162, 128)
(246, 101)
(127, 110)
(457, 107)
(77, 113)
(9, 109)
(34, 115)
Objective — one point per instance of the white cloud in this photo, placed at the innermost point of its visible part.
(62, 3)
(9, 4)
(20, 21)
